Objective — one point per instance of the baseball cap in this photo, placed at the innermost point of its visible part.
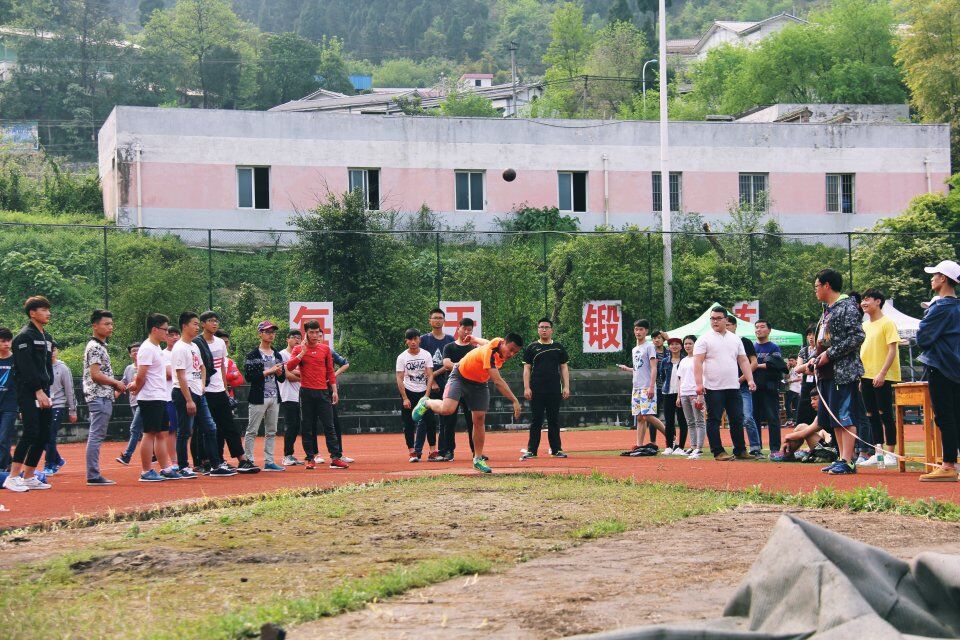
(672, 340)
(948, 268)
(266, 325)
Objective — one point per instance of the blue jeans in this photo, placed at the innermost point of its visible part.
(753, 433)
(136, 434)
(51, 457)
(8, 421)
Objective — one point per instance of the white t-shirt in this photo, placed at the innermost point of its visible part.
(289, 391)
(218, 348)
(720, 367)
(155, 382)
(167, 359)
(673, 385)
(186, 358)
(414, 368)
(688, 384)
(642, 355)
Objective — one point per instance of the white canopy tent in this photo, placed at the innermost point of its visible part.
(906, 326)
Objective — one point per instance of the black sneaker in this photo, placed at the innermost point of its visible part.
(99, 482)
(246, 466)
(123, 459)
(558, 454)
(527, 456)
(758, 454)
(220, 472)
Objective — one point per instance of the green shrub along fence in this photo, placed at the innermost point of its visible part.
(384, 282)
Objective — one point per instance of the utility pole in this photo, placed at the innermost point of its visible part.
(666, 222)
(513, 75)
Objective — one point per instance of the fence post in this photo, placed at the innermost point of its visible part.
(649, 278)
(850, 257)
(439, 268)
(106, 271)
(750, 263)
(210, 268)
(543, 238)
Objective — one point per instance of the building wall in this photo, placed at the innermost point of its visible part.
(189, 160)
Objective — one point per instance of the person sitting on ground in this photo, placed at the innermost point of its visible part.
(811, 434)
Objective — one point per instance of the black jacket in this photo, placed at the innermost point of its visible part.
(207, 356)
(253, 370)
(32, 362)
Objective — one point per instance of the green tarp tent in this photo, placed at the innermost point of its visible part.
(702, 324)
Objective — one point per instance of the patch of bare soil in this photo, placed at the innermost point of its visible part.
(684, 571)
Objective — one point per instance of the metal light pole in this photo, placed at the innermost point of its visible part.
(643, 75)
(513, 75)
(664, 172)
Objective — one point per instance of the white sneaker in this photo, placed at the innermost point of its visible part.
(33, 483)
(347, 460)
(668, 451)
(318, 459)
(890, 460)
(680, 452)
(694, 455)
(869, 462)
(414, 458)
(289, 461)
(15, 483)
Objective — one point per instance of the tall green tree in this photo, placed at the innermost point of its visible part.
(286, 68)
(619, 50)
(620, 11)
(466, 104)
(570, 41)
(332, 70)
(146, 8)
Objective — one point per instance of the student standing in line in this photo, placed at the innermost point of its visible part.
(8, 400)
(414, 375)
(64, 400)
(546, 382)
(136, 422)
(670, 394)
(290, 402)
(265, 371)
(643, 398)
(99, 387)
(691, 403)
(434, 343)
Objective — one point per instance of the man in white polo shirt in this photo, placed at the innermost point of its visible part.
(719, 358)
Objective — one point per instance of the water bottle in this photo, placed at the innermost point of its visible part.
(881, 461)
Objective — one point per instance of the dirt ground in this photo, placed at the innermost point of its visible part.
(683, 571)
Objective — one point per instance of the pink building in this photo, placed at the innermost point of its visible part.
(252, 170)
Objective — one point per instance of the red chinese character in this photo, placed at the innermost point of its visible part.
(745, 312)
(455, 314)
(602, 325)
(322, 316)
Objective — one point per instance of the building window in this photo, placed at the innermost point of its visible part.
(840, 192)
(367, 181)
(573, 191)
(253, 187)
(469, 187)
(476, 83)
(676, 191)
(753, 189)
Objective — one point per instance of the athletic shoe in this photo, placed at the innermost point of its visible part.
(842, 468)
(448, 457)
(724, 457)
(681, 452)
(485, 458)
(481, 465)
(558, 454)
(170, 474)
(420, 410)
(338, 463)
(123, 459)
(272, 466)
(33, 483)
(15, 484)
(868, 462)
(246, 466)
(890, 459)
(757, 454)
(50, 471)
(151, 476)
(940, 474)
(61, 463)
(694, 455)
(318, 459)
(414, 459)
(221, 472)
(528, 456)
(310, 465)
(99, 482)
(862, 458)
(777, 456)
(290, 461)
(743, 455)
(187, 474)
(829, 468)
(347, 460)
(668, 451)
(433, 457)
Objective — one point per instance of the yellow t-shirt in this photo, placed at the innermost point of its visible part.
(873, 351)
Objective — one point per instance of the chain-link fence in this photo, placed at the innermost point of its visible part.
(384, 282)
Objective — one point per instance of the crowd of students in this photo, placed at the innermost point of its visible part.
(839, 396)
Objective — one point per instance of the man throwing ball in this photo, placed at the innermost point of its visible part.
(468, 383)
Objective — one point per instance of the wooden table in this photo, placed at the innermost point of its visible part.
(917, 394)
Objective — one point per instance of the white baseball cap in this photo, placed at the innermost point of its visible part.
(948, 268)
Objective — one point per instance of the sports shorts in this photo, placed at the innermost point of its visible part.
(641, 405)
(152, 413)
(476, 395)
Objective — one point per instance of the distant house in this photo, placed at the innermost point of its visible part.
(727, 32)
(475, 80)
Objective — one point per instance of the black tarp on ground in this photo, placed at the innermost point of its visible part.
(809, 582)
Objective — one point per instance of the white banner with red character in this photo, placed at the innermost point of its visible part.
(457, 311)
(747, 310)
(602, 326)
(322, 312)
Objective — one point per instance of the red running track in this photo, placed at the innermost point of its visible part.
(384, 457)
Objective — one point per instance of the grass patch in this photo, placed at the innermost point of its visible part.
(600, 528)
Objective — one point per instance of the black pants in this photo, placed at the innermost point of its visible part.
(805, 413)
(316, 406)
(766, 406)
(204, 439)
(717, 402)
(945, 396)
(336, 430)
(792, 401)
(227, 430)
(544, 404)
(673, 416)
(447, 442)
(36, 431)
(410, 427)
(291, 425)
(879, 404)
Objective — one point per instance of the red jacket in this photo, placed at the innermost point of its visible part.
(234, 377)
(315, 364)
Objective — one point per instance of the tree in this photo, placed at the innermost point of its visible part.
(570, 41)
(927, 53)
(146, 9)
(191, 31)
(286, 68)
(467, 104)
(521, 21)
(332, 69)
(619, 11)
(619, 50)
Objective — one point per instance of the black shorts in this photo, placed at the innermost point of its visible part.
(476, 395)
(153, 414)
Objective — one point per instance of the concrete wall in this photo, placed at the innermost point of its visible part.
(890, 113)
(189, 160)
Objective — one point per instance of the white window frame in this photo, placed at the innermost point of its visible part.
(366, 184)
(752, 200)
(586, 192)
(253, 187)
(838, 194)
(655, 181)
(483, 186)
